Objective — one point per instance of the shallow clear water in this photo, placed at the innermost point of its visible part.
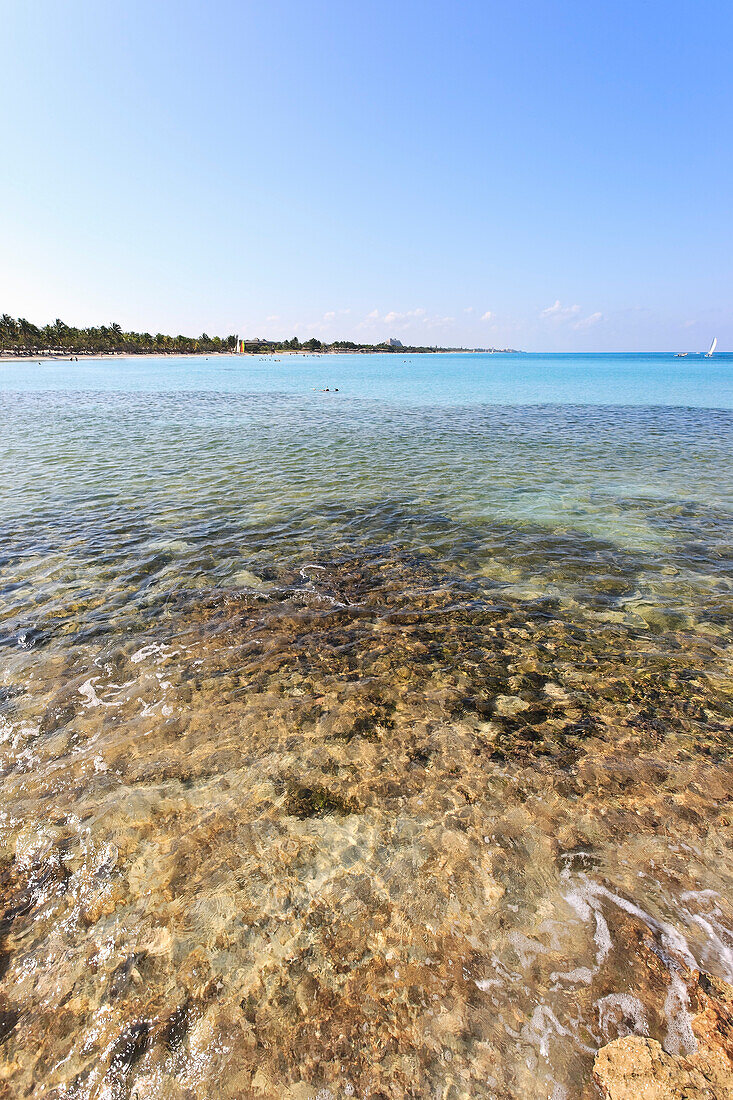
(361, 743)
(443, 380)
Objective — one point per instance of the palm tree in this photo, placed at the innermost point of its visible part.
(8, 331)
(30, 336)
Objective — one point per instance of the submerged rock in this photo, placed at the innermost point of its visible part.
(380, 831)
(638, 1068)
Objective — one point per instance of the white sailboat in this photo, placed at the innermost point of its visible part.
(713, 346)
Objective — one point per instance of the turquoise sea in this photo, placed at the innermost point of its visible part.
(365, 721)
(445, 379)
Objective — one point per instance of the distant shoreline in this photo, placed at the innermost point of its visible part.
(57, 358)
(21, 340)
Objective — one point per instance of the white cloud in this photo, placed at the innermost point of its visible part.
(468, 309)
(274, 317)
(559, 312)
(393, 317)
(397, 321)
(588, 322)
(487, 316)
(330, 316)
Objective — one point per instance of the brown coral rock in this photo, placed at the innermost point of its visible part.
(636, 1068)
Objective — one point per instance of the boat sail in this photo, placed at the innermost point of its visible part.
(713, 346)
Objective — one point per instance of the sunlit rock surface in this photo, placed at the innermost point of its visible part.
(634, 1067)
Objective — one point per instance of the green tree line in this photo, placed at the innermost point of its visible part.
(19, 336)
(261, 346)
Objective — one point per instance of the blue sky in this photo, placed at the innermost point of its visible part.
(544, 175)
